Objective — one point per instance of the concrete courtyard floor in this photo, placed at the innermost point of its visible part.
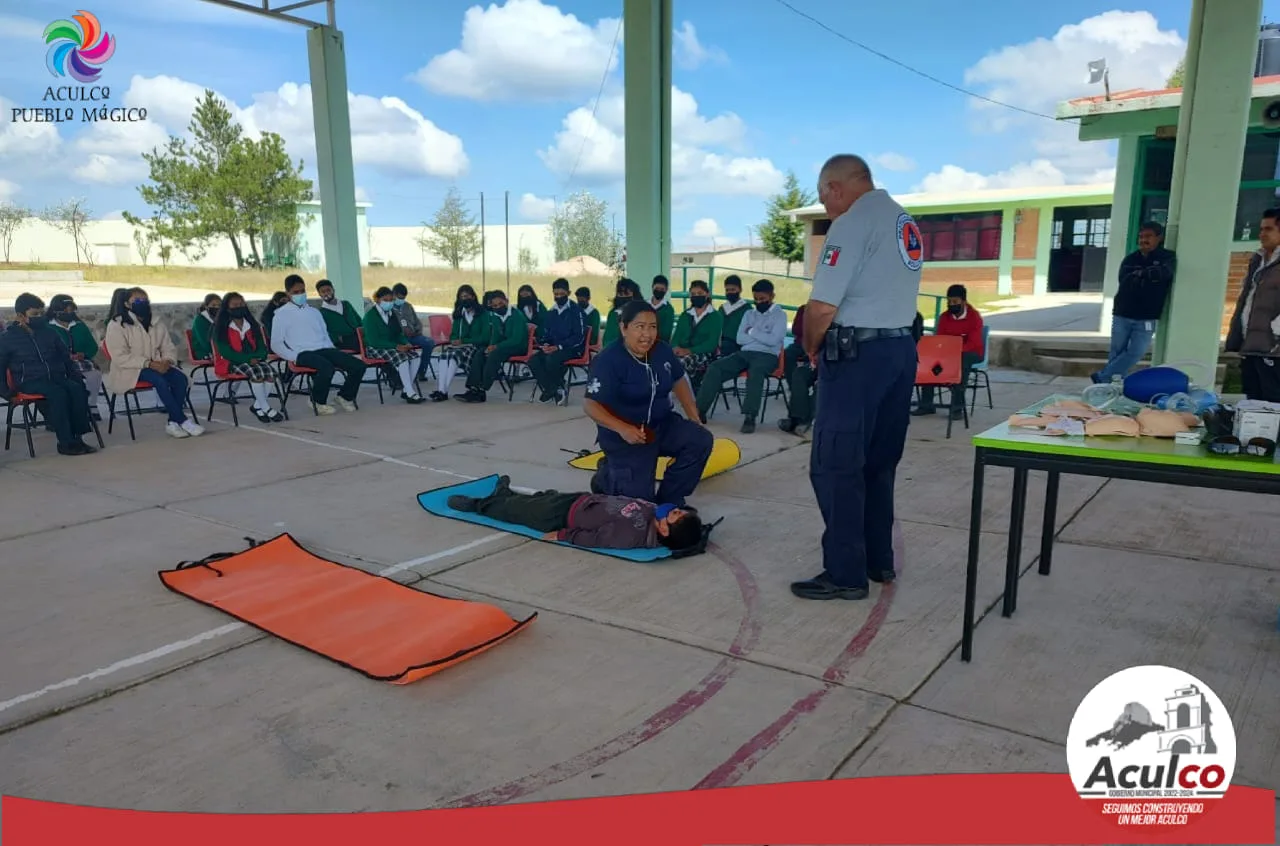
(635, 678)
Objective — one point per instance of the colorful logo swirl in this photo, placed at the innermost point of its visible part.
(78, 47)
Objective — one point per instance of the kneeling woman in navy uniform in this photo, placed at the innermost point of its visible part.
(629, 396)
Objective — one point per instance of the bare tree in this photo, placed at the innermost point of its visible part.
(12, 218)
(70, 217)
(144, 240)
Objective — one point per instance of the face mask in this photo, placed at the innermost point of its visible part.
(956, 309)
(241, 313)
(662, 511)
(299, 299)
(733, 298)
(698, 300)
(212, 310)
(468, 305)
(498, 309)
(584, 303)
(561, 300)
(386, 305)
(399, 302)
(142, 308)
(621, 300)
(64, 316)
(659, 293)
(763, 307)
(37, 323)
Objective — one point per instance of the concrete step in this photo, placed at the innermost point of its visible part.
(22, 276)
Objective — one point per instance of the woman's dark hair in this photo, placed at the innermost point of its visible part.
(208, 298)
(683, 533)
(119, 307)
(699, 285)
(270, 309)
(222, 323)
(59, 303)
(384, 291)
(117, 297)
(528, 290)
(400, 290)
(634, 309)
(457, 300)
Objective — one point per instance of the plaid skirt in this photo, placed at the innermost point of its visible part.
(85, 365)
(254, 371)
(393, 357)
(462, 355)
(696, 365)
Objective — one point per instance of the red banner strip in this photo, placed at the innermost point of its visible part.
(1028, 809)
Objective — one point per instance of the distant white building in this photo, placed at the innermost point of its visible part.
(742, 258)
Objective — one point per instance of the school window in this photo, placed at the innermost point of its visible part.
(961, 237)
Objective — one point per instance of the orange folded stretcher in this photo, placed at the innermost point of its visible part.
(368, 623)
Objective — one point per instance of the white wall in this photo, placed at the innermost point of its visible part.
(111, 242)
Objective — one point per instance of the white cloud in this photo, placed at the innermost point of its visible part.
(591, 147)
(1039, 74)
(24, 140)
(15, 28)
(891, 161)
(524, 49)
(690, 53)
(7, 190)
(363, 196)
(706, 228)
(535, 208)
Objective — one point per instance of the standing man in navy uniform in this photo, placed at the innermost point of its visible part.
(858, 332)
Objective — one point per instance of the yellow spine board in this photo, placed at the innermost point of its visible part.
(725, 455)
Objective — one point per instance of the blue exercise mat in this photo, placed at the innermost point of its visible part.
(437, 503)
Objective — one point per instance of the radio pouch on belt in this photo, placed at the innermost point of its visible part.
(841, 343)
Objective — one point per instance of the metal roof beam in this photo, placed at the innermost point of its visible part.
(280, 13)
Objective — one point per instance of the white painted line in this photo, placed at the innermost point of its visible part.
(220, 631)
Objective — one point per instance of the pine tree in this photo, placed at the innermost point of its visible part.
(782, 236)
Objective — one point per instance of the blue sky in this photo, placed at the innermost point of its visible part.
(498, 97)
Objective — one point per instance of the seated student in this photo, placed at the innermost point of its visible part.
(243, 351)
(411, 326)
(142, 349)
(561, 337)
(383, 339)
(202, 327)
(527, 301)
(34, 355)
(629, 396)
(590, 314)
(79, 341)
(340, 317)
(508, 336)
(278, 300)
(627, 291)
(961, 319)
(589, 520)
(301, 337)
(733, 308)
(697, 334)
(801, 378)
(760, 338)
(471, 332)
(662, 305)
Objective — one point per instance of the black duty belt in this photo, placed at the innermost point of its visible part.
(876, 334)
(841, 342)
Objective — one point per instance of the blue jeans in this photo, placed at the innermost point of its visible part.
(171, 390)
(1130, 340)
(425, 344)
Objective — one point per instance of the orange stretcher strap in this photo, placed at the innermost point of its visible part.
(371, 624)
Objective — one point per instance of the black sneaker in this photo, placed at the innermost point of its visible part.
(748, 425)
(821, 587)
(463, 503)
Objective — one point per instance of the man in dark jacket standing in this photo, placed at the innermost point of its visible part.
(561, 338)
(41, 364)
(1145, 277)
(1255, 324)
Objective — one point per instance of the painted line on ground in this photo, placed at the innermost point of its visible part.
(742, 761)
(690, 701)
(220, 631)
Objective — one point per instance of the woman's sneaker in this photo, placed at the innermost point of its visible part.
(192, 428)
(173, 430)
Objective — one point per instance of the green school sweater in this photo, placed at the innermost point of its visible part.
(538, 316)
(478, 331)
(666, 321)
(592, 321)
(79, 339)
(247, 355)
(613, 327)
(511, 337)
(703, 337)
(729, 335)
(201, 330)
(382, 334)
(342, 327)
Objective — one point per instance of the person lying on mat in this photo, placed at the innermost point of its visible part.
(629, 393)
(589, 520)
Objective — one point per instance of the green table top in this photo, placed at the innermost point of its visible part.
(1119, 448)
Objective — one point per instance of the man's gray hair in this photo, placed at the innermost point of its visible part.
(846, 167)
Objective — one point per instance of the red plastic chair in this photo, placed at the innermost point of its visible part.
(779, 389)
(582, 362)
(17, 400)
(939, 366)
(137, 405)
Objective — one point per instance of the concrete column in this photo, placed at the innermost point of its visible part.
(1044, 249)
(1122, 201)
(1212, 125)
(1004, 285)
(647, 73)
(337, 178)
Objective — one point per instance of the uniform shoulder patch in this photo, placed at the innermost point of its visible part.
(831, 255)
(910, 243)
